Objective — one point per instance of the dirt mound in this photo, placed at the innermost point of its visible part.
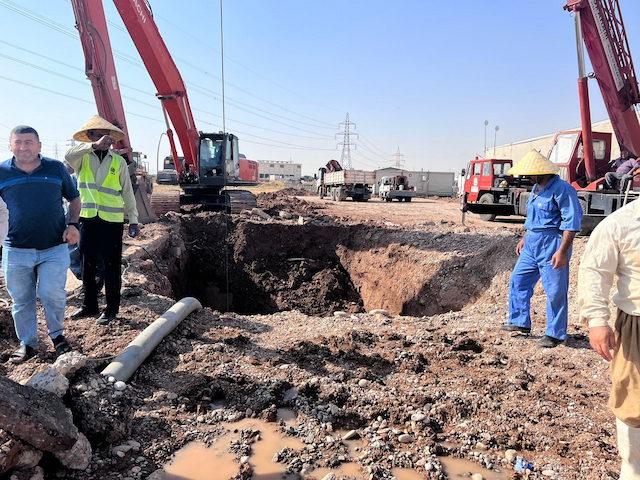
(434, 376)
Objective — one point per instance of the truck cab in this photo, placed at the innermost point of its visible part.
(568, 154)
(395, 187)
(484, 174)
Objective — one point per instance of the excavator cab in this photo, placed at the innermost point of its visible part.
(219, 160)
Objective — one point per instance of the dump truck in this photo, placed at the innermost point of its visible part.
(338, 184)
(396, 187)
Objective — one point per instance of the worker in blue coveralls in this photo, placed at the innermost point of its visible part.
(553, 220)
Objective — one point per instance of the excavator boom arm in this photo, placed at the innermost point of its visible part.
(138, 20)
(99, 67)
(606, 41)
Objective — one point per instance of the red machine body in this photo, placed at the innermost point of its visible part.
(584, 156)
(211, 160)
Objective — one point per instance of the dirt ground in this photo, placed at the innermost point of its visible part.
(382, 317)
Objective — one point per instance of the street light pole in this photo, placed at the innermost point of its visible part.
(495, 136)
(158, 154)
(484, 152)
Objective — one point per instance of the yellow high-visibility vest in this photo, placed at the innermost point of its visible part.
(106, 200)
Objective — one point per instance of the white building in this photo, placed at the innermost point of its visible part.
(517, 150)
(277, 170)
(426, 183)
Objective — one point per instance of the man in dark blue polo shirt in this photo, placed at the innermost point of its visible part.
(35, 256)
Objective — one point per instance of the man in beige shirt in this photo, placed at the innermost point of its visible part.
(614, 250)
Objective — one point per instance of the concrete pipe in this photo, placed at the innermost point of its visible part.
(123, 366)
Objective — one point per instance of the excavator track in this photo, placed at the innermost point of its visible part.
(241, 200)
(164, 201)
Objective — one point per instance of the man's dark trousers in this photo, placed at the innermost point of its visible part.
(105, 238)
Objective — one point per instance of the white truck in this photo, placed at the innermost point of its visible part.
(396, 187)
(338, 184)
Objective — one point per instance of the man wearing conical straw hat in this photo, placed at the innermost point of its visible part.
(105, 191)
(553, 219)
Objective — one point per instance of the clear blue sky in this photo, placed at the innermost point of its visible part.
(419, 75)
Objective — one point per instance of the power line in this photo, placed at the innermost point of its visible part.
(132, 61)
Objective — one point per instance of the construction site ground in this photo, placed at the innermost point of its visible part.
(376, 317)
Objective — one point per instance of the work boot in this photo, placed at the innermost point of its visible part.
(509, 327)
(83, 312)
(549, 342)
(105, 318)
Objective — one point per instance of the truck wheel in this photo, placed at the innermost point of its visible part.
(407, 199)
(487, 217)
(387, 199)
(320, 195)
(339, 194)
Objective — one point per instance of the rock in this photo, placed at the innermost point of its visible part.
(548, 473)
(300, 221)
(285, 215)
(38, 417)
(51, 380)
(341, 314)
(477, 476)
(330, 476)
(158, 474)
(121, 448)
(69, 363)
(135, 445)
(351, 435)
(79, 457)
(405, 438)
(260, 213)
(364, 383)
(379, 311)
(119, 385)
(418, 417)
(38, 474)
(510, 455)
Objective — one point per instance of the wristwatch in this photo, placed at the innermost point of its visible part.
(75, 224)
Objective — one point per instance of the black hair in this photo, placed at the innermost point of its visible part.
(24, 129)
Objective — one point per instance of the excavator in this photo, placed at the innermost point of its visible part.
(583, 156)
(212, 165)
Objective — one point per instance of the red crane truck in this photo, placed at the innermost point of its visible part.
(582, 155)
(212, 162)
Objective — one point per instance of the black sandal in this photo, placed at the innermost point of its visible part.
(22, 354)
(61, 345)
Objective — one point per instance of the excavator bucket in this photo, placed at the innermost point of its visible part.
(143, 204)
(141, 187)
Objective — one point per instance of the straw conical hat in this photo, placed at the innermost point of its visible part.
(97, 123)
(534, 164)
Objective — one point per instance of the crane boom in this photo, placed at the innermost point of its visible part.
(212, 161)
(606, 41)
(100, 68)
(138, 19)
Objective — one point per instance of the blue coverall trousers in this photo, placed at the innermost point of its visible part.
(534, 263)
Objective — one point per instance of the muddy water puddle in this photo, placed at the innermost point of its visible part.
(461, 468)
(197, 461)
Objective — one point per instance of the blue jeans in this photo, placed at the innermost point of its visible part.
(534, 263)
(28, 271)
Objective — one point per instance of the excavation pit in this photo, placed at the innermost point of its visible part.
(231, 263)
